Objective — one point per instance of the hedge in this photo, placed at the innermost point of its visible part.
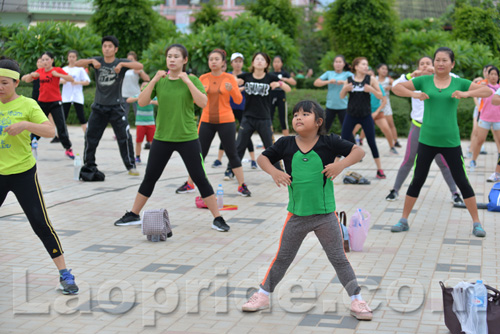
(401, 108)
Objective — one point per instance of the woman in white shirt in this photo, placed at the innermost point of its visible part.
(72, 92)
(130, 85)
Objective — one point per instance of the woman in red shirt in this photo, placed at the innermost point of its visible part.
(50, 99)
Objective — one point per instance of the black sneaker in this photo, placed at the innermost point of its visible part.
(67, 283)
(393, 195)
(147, 146)
(129, 218)
(397, 144)
(220, 225)
(456, 199)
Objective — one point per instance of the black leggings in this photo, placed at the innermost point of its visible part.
(55, 108)
(238, 114)
(454, 158)
(160, 153)
(79, 111)
(279, 101)
(330, 117)
(27, 190)
(368, 126)
(227, 135)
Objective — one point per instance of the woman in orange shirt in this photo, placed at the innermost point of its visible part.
(218, 117)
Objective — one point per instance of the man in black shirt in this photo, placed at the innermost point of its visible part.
(108, 106)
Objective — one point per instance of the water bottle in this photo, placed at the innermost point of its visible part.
(34, 148)
(77, 166)
(220, 197)
(480, 303)
(358, 141)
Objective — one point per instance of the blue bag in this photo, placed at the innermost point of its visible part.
(494, 198)
(342, 217)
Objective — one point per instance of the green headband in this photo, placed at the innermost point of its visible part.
(9, 73)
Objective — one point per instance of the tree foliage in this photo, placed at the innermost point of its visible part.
(246, 34)
(362, 28)
(57, 37)
(477, 25)
(311, 41)
(131, 21)
(207, 16)
(279, 12)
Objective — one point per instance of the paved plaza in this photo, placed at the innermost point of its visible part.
(197, 281)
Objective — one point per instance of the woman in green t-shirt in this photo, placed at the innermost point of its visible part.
(439, 132)
(176, 92)
(20, 116)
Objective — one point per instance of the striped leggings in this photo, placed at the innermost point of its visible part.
(329, 232)
(27, 190)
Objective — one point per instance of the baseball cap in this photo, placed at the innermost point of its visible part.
(236, 55)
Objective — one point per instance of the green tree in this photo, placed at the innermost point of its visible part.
(129, 20)
(311, 41)
(28, 43)
(246, 34)
(279, 12)
(362, 28)
(207, 16)
(477, 25)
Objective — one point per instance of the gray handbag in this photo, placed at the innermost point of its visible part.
(156, 225)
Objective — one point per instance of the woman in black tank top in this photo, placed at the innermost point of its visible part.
(359, 88)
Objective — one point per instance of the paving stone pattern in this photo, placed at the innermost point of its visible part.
(196, 281)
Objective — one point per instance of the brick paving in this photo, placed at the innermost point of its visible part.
(197, 280)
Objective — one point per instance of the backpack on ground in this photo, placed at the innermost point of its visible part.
(494, 198)
(91, 174)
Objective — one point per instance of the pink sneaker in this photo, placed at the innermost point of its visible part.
(259, 301)
(360, 310)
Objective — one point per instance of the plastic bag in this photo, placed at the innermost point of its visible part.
(358, 229)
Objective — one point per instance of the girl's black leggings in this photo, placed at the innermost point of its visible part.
(454, 158)
(160, 154)
(27, 190)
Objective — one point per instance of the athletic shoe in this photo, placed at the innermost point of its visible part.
(55, 140)
(217, 163)
(243, 190)
(147, 146)
(185, 188)
(253, 164)
(220, 225)
(360, 310)
(138, 160)
(478, 231)
(133, 172)
(67, 283)
(397, 144)
(69, 154)
(393, 195)
(472, 166)
(228, 175)
(456, 199)
(258, 301)
(495, 177)
(400, 227)
(380, 174)
(129, 218)
(393, 150)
